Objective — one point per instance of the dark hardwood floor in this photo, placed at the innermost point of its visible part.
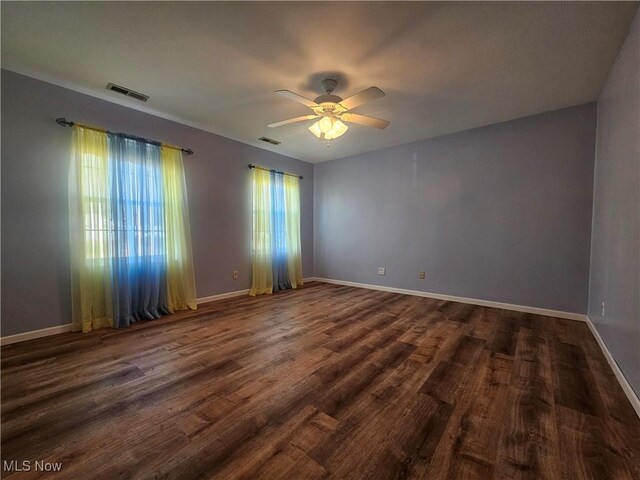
(323, 382)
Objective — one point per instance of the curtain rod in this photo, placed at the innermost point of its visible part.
(251, 165)
(67, 123)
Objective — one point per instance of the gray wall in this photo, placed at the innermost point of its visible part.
(35, 157)
(499, 213)
(615, 241)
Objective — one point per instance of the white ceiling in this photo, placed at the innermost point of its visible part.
(445, 67)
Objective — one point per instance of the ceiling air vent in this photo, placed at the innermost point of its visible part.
(269, 140)
(128, 92)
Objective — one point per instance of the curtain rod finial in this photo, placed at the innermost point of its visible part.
(63, 122)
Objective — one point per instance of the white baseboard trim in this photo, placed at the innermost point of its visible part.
(43, 332)
(222, 296)
(628, 390)
(451, 298)
(237, 293)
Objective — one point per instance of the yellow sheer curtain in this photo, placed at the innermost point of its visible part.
(90, 239)
(181, 283)
(292, 227)
(262, 277)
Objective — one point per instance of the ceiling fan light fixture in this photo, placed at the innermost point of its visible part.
(326, 124)
(338, 130)
(315, 129)
(328, 128)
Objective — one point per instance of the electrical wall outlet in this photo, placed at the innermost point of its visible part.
(603, 309)
(382, 271)
(235, 274)
(422, 275)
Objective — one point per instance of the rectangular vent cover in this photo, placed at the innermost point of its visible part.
(128, 92)
(269, 140)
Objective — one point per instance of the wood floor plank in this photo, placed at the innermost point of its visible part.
(585, 450)
(485, 416)
(322, 382)
(529, 448)
(449, 376)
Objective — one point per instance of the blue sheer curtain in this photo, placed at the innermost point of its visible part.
(138, 260)
(278, 234)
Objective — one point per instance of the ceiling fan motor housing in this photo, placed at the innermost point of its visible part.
(328, 104)
(327, 99)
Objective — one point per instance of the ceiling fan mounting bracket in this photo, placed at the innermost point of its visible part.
(329, 85)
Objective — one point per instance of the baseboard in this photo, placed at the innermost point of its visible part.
(451, 298)
(628, 390)
(222, 296)
(43, 332)
(237, 293)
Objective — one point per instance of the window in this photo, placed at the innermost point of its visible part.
(126, 218)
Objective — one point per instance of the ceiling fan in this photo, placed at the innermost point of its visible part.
(333, 110)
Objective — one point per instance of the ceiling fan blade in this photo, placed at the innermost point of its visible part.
(364, 120)
(371, 93)
(297, 98)
(292, 120)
